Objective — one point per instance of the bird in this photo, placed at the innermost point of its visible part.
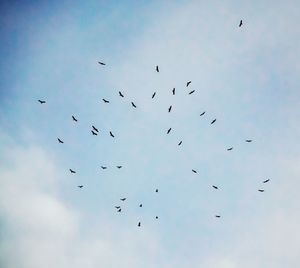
(261, 190)
(192, 92)
(72, 171)
(102, 63)
(121, 95)
(60, 141)
(157, 68)
(94, 133)
(123, 199)
(218, 216)
(248, 140)
(188, 83)
(106, 101)
(74, 119)
(215, 187)
(41, 101)
(179, 143)
(156, 217)
(169, 130)
(94, 128)
(266, 181)
(139, 224)
(229, 149)
(141, 205)
(194, 171)
(173, 91)
(112, 135)
(156, 190)
(133, 104)
(119, 210)
(153, 95)
(117, 207)
(119, 166)
(241, 23)
(170, 108)
(202, 113)
(80, 186)
(103, 167)
(213, 121)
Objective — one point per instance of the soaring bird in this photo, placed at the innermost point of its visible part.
(74, 119)
(80, 186)
(229, 149)
(179, 143)
(157, 68)
(121, 95)
(188, 83)
(94, 133)
(202, 113)
(119, 210)
(261, 190)
(106, 101)
(170, 108)
(117, 207)
(133, 104)
(103, 167)
(215, 187)
(139, 224)
(102, 63)
(194, 171)
(213, 121)
(94, 128)
(173, 91)
(123, 199)
(241, 23)
(72, 171)
(156, 190)
(141, 205)
(169, 130)
(59, 140)
(112, 135)
(119, 166)
(153, 95)
(248, 140)
(156, 217)
(192, 92)
(218, 216)
(266, 181)
(41, 101)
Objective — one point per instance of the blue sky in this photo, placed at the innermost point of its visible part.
(245, 77)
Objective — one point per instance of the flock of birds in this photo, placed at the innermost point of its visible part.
(95, 132)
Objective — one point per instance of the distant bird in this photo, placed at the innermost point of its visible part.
(261, 190)
(123, 199)
(72, 171)
(103, 167)
(153, 95)
(266, 181)
(157, 68)
(102, 63)
(218, 216)
(213, 121)
(170, 108)
(41, 101)
(94, 133)
(248, 140)
(112, 135)
(194, 171)
(133, 104)
(119, 210)
(141, 205)
(229, 149)
(80, 186)
(215, 187)
(192, 92)
(94, 128)
(119, 166)
(60, 141)
(106, 101)
(202, 114)
(156, 217)
(117, 207)
(188, 83)
(121, 95)
(169, 130)
(156, 190)
(173, 91)
(139, 224)
(74, 119)
(179, 143)
(241, 23)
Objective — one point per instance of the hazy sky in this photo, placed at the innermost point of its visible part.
(246, 77)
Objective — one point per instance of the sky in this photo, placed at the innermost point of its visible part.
(247, 78)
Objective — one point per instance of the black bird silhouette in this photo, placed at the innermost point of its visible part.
(102, 63)
(202, 114)
(218, 216)
(121, 95)
(133, 104)
(119, 210)
(173, 91)
(194, 171)
(60, 141)
(180, 143)
(215, 187)
(94, 128)
(112, 135)
(80, 186)
(261, 190)
(74, 119)
(192, 92)
(103, 167)
(266, 181)
(156, 190)
(72, 171)
(213, 121)
(41, 101)
(188, 83)
(106, 101)
(117, 207)
(169, 130)
(170, 108)
(141, 205)
(119, 166)
(157, 68)
(156, 217)
(229, 149)
(139, 224)
(94, 133)
(123, 199)
(241, 23)
(248, 140)
(153, 95)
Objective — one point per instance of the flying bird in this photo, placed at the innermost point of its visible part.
(94, 133)
(123, 199)
(266, 181)
(192, 92)
(173, 91)
(156, 217)
(194, 171)
(80, 186)
(106, 101)
(241, 23)
(202, 113)
(157, 68)
(261, 190)
(117, 207)
(112, 135)
(229, 149)
(215, 187)
(101, 63)
(72, 171)
(188, 83)
(248, 140)
(94, 128)
(60, 141)
(120, 94)
(119, 210)
(169, 130)
(153, 95)
(218, 216)
(213, 121)
(141, 205)
(41, 101)
(103, 167)
(133, 104)
(179, 143)
(119, 166)
(156, 190)
(170, 108)
(139, 224)
(74, 119)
